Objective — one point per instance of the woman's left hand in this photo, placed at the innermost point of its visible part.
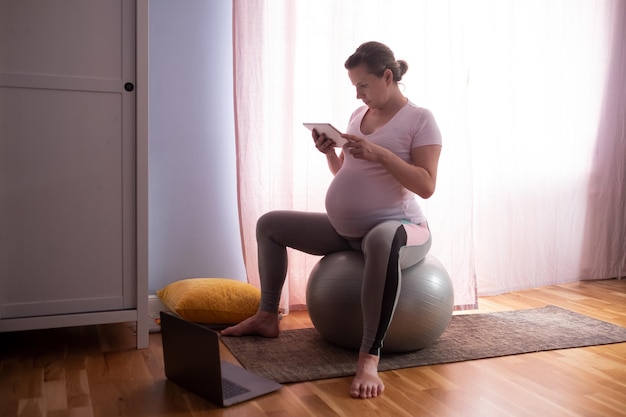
(361, 148)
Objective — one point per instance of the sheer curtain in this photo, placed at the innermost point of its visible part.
(604, 252)
(515, 86)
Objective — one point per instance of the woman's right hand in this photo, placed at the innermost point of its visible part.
(323, 143)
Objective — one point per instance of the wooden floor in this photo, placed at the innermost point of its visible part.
(96, 371)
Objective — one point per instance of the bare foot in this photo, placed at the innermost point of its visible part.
(367, 383)
(262, 323)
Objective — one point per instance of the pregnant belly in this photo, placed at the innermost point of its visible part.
(354, 205)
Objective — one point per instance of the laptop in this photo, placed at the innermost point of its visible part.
(191, 353)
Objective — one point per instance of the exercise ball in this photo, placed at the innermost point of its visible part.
(423, 311)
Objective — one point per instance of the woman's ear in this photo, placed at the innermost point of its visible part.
(388, 75)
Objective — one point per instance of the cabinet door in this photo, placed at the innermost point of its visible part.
(67, 157)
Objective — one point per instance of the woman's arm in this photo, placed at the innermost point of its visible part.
(419, 177)
(334, 161)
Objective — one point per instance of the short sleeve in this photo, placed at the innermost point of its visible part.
(426, 130)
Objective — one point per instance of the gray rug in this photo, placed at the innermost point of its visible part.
(303, 355)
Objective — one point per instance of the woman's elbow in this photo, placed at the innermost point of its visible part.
(426, 192)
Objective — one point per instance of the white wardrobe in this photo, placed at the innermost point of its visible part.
(72, 203)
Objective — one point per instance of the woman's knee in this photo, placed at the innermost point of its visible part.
(268, 222)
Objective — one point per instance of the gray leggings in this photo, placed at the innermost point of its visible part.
(384, 248)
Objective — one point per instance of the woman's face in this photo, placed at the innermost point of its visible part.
(372, 90)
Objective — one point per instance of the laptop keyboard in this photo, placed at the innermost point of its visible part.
(232, 389)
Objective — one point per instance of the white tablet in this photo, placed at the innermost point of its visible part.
(329, 130)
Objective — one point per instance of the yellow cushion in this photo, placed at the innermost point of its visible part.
(211, 300)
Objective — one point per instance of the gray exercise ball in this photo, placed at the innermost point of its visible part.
(423, 312)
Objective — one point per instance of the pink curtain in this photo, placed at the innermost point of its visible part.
(516, 88)
(605, 227)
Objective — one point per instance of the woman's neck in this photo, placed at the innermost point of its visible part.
(393, 105)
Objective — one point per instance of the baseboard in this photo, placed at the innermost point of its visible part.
(155, 306)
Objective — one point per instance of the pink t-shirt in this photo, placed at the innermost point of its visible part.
(363, 194)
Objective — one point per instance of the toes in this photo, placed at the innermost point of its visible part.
(365, 391)
(356, 389)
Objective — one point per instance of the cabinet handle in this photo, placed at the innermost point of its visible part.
(129, 87)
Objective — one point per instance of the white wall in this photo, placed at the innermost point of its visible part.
(193, 223)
